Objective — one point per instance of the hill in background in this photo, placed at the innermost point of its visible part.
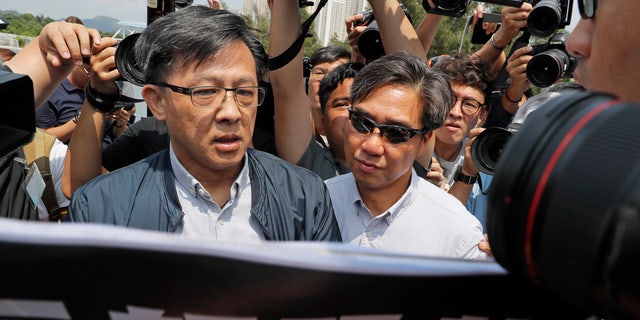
(29, 25)
(104, 24)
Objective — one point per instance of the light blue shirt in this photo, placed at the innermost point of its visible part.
(205, 218)
(477, 203)
(424, 221)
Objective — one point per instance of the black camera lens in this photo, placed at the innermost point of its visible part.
(545, 68)
(487, 148)
(451, 8)
(544, 18)
(370, 43)
(126, 61)
(562, 211)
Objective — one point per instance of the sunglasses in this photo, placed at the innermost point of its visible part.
(587, 8)
(394, 134)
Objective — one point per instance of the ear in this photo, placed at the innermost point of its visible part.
(154, 98)
(320, 125)
(425, 154)
(426, 144)
(482, 117)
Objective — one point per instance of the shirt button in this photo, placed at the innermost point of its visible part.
(201, 191)
(389, 219)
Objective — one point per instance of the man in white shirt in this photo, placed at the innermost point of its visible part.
(397, 102)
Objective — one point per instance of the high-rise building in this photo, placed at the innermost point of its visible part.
(253, 8)
(330, 22)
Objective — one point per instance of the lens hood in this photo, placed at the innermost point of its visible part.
(126, 60)
(487, 147)
(370, 43)
(560, 180)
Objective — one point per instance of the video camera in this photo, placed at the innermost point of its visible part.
(369, 43)
(545, 18)
(17, 124)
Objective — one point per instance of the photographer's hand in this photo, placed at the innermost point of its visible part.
(215, 4)
(353, 34)
(513, 20)
(103, 67)
(488, 27)
(436, 176)
(517, 69)
(49, 58)
(66, 42)
(462, 190)
(84, 156)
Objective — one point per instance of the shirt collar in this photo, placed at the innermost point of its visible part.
(397, 208)
(192, 185)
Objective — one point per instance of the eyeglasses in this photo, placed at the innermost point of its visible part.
(587, 8)
(394, 134)
(469, 106)
(318, 73)
(212, 96)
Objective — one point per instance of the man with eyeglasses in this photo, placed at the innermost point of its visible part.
(322, 61)
(202, 68)
(397, 102)
(607, 48)
(469, 80)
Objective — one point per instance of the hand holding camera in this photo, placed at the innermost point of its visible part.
(103, 67)
(354, 31)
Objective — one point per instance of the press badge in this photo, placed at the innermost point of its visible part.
(34, 184)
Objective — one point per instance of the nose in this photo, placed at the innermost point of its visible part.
(229, 109)
(456, 109)
(579, 41)
(373, 143)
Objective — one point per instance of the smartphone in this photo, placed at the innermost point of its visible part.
(479, 35)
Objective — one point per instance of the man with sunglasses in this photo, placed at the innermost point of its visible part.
(397, 102)
(202, 68)
(607, 48)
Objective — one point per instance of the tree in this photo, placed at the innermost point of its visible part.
(24, 24)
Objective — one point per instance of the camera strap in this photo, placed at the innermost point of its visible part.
(285, 57)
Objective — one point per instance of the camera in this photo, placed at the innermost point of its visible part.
(17, 124)
(550, 62)
(126, 61)
(456, 8)
(547, 16)
(370, 43)
(544, 19)
(553, 223)
(487, 148)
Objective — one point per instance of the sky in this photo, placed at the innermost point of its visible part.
(124, 10)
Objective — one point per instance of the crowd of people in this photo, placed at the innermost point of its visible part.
(371, 153)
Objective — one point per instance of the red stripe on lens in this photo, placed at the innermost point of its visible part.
(544, 179)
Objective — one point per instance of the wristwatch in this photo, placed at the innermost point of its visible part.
(459, 176)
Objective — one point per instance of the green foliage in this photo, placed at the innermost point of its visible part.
(24, 24)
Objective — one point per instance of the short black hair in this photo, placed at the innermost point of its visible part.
(334, 78)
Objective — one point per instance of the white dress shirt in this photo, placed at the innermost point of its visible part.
(424, 221)
(205, 218)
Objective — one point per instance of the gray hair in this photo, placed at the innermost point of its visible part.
(190, 36)
(404, 69)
